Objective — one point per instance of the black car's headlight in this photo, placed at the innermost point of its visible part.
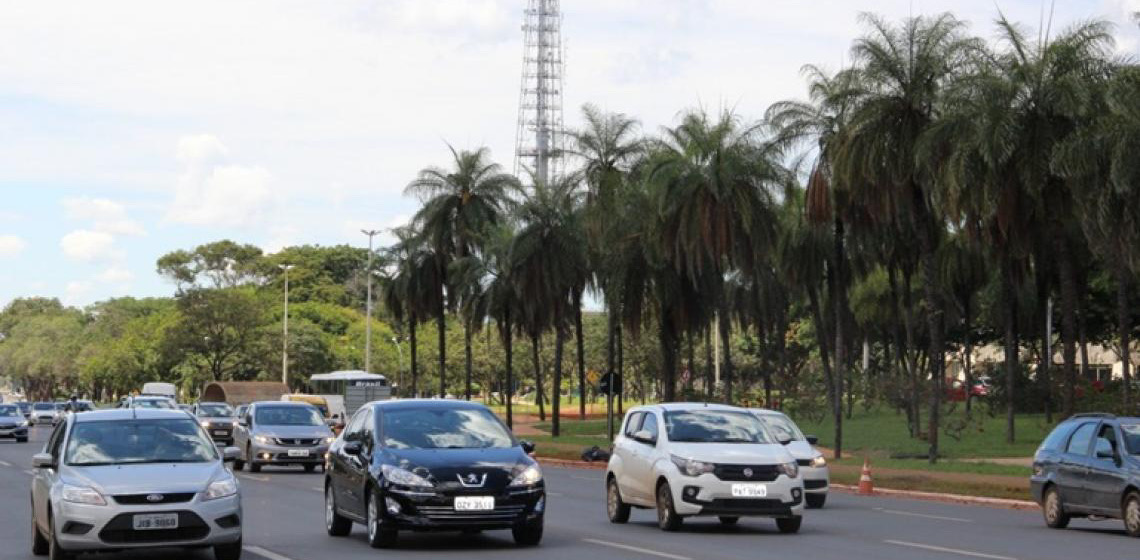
(528, 477)
(403, 477)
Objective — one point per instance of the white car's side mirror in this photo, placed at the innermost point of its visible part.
(644, 437)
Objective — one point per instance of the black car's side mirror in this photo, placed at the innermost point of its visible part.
(352, 448)
(527, 446)
(812, 439)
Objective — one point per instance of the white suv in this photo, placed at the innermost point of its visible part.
(689, 459)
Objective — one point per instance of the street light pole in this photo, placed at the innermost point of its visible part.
(400, 353)
(368, 306)
(285, 328)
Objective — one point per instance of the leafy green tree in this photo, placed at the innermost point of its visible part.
(223, 264)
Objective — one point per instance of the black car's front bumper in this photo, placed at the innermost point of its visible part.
(418, 510)
(221, 432)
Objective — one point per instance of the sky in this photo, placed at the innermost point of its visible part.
(131, 128)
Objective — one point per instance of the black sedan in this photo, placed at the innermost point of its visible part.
(218, 419)
(432, 465)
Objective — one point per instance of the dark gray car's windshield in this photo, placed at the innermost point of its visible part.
(121, 442)
(215, 410)
(1131, 438)
(9, 410)
(288, 416)
(782, 427)
(442, 428)
(714, 426)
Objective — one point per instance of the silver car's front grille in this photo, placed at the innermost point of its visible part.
(298, 441)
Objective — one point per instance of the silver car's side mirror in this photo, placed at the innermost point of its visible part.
(230, 454)
(43, 461)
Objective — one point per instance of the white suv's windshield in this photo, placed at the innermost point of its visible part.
(714, 426)
(440, 428)
(288, 416)
(782, 427)
(121, 442)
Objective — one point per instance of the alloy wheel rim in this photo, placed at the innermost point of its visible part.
(372, 515)
(328, 508)
(612, 501)
(1054, 506)
(1133, 515)
(662, 507)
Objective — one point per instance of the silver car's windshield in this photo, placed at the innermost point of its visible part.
(215, 410)
(122, 442)
(288, 416)
(440, 428)
(9, 410)
(714, 426)
(782, 427)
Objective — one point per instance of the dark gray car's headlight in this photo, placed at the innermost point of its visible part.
(403, 477)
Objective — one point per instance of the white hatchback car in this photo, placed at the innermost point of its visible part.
(690, 459)
(813, 467)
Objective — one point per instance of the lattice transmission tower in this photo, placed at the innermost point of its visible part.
(540, 142)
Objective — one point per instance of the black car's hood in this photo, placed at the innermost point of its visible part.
(451, 469)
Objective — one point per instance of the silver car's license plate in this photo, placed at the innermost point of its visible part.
(474, 503)
(298, 452)
(152, 521)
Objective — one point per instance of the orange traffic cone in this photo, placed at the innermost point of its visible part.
(866, 486)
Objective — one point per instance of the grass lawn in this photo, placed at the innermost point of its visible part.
(581, 427)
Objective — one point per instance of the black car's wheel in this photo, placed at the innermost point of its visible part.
(336, 524)
(667, 518)
(617, 509)
(239, 464)
(815, 501)
(379, 536)
(54, 550)
(21, 440)
(529, 534)
(1054, 510)
(39, 543)
(790, 524)
(729, 519)
(231, 551)
(254, 467)
(310, 468)
(1131, 514)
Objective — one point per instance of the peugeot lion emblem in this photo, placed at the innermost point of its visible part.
(472, 480)
(748, 473)
(154, 498)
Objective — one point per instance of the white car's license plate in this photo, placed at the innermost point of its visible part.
(221, 433)
(474, 503)
(749, 490)
(152, 521)
(298, 452)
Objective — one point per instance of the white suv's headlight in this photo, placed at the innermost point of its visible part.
(528, 477)
(819, 462)
(82, 495)
(692, 467)
(403, 477)
(792, 470)
(223, 488)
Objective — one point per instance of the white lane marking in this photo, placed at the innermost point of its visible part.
(949, 550)
(924, 515)
(590, 478)
(5, 463)
(265, 553)
(30, 472)
(255, 477)
(318, 489)
(555, 494)
(631, 548)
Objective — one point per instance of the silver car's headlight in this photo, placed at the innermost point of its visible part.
(403, 477)
(330, 439)
(528, 477)
(790, 469)
(82, 495)
(205, 423)
(819, 462)
(223, 488)
(264, 440)
(692, 467)
(22, 424)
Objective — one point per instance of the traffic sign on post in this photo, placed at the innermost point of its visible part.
(610, 378)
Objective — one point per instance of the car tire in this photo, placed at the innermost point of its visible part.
(21, 440)
(336, 524)
(254, 467)
(39, 543)
(1054, 509)
(379, 536)
(231, 551)
(55, 552)
(310, 468)
(789, 525)
(815, 501)
(528, 534)
(616, 508)
(729, 519)
(667, 518)
(1131, 514)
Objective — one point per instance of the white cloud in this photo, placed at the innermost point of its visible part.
(198, 149)
(116, 274)
(12, 245)
(211, 192)
(90, 246)
(108, 216)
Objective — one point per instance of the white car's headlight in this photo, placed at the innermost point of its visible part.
(819, 462)
(528, 477)
(223, 488)
(265, 440)
(22, 424)
(403, 477)
(692, 467)
(792, 470)
(82, 495)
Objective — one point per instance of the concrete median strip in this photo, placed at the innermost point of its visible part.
(957, 551)
(638, 549)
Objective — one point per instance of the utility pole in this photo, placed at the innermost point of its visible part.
(285, 328)
(368, 306)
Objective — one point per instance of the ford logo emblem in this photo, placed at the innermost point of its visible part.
(748, 473)
(155, 498)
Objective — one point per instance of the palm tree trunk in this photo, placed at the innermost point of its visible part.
(966, 309)
(414, 359)
(824, 355)
(620, 370)
(710, 371)
(581, 357)
(467, 361)
(1123, 328)
(1068, 323)
(839, 299)
(1011, 344)
(667, 338)
(934, 320)
(556, 388)
(689, 378)
(1045, 360)
(441, 332)
(1082, 332)
(508, 349)
(726, 347)
(912, 349)
(900, 350)
(537, 376)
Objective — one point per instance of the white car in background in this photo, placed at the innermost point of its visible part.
(689, 459)
(813, 467)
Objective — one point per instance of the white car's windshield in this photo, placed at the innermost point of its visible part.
(43, 406)
(119, 442)
(9, 410)
(782, 427)
(714, 426)
(288, 416)
(439, 428)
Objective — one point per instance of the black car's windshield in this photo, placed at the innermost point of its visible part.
(120, 442)
(288, 416)
(443, 428)
(782, 427)
(1131, 438)
(43, 406)
(9, 410)
(714, 426)
(215, 410)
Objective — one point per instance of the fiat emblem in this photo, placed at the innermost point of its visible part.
(748, 473)
(154, 498)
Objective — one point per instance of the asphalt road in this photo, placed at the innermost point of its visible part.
(285, 521)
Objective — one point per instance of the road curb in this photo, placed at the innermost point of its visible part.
(600, 465)
(940, 497)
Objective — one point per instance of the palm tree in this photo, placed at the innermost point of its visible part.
(405, 288)
(458, 205)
